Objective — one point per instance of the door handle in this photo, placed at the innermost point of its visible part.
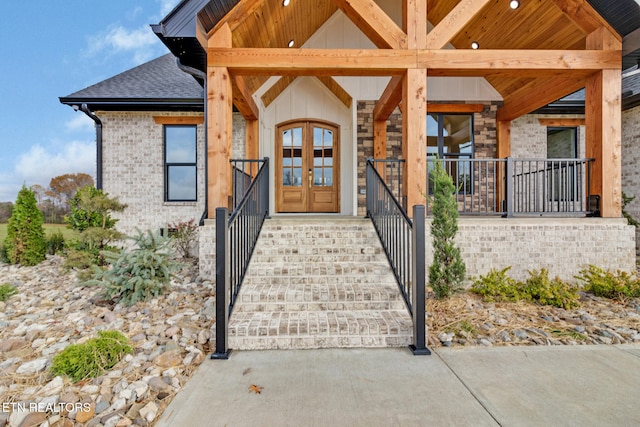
(310, 178)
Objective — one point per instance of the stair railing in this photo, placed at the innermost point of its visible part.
(236, 237)
(403, 241)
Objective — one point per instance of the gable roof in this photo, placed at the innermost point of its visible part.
(156, 84)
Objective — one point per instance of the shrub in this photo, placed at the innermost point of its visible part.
(25, 242)
(630, 219)
(55, 242)
(92, 358)
(183, 237)
(543, 290)
(6, 291)
(4, 257)
(447, 271)
(497, 286)
(619, 286)
(139, 274)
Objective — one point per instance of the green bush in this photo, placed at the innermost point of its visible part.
(619, 286)
(4, 257)
(183, 237)
(497, 286)
(92, 358)
(55, 242)
(25, 243)
(6, 291)
(539, 288)
(556, 292)
(139, 274)
(447, 271)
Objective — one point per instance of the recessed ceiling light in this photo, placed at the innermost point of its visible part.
(475, 45)
(285, 3)
(514, 4)
(291, 43)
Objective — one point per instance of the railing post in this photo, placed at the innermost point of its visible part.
(418, 348)
(369, 187)
(265, 188)
(509, 187)
(222, 285)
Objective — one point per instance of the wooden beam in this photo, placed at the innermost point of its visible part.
(243, 100)
(414, 140)
(561, 123)
(415, 20)
(631, 42)
(584, 16)
(389, 99)
(252, 141)
(238, 14)
(178, 120)
(454, 22)
(219, 128)
(503, 150)
(531, 98)
(390, 62)
(276, 89)
(335, 88)
(380, 143)
(454, 108)
(374, 23)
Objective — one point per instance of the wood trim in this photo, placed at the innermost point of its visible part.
(581, 13)
(454, 22)
(337, 90)
(454, 108)
(386, 62)
(237, 15)
(243, 100)
(561, 123)
(178, 120)
(276, 89)
(374, 23)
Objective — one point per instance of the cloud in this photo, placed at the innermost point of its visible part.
(40, 164)
(79, 122)
(117, 40)
(167, 6)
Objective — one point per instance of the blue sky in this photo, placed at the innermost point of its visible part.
(53, 48)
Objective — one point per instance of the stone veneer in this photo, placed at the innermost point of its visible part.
(561, 245)
(631, 162)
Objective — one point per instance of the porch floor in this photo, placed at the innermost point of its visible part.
(319, 282)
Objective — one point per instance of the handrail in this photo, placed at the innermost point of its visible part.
(403, 241)
(236, 237)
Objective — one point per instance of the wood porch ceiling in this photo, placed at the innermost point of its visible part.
(536, 24)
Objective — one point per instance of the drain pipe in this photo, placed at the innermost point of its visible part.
(85, 109)
(203, 76)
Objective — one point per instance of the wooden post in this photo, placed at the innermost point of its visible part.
(503, 151)
(380, 144)
(414, 140)
(604, 128)
(252, 142)
(219, 127)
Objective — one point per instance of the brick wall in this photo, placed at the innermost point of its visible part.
(631, 161)
(529, 137)
(561, 245)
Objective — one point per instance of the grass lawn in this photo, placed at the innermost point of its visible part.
(48, 229)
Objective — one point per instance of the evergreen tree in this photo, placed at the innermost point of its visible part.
(25, 242)
(447, 271)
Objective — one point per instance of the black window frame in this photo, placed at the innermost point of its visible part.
(168, 165)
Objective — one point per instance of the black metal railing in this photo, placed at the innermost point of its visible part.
(403, 241)
(390, 170)
(243, 172)
(527, 187)
(236, 237)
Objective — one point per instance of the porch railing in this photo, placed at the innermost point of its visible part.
(526, 187)
(243, 172)
(403, 241)
(236, 237)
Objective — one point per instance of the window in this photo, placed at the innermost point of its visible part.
(563, 175)
(450, 137)
(180, 169)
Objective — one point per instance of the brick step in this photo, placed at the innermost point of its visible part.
(367, 249)
(286, 280)
(317, 268)
(320, 329)
(319, 258)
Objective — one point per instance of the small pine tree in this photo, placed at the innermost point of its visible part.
(25, 242)
(447, 271)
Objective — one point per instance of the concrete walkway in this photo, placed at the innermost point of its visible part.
(508, 386)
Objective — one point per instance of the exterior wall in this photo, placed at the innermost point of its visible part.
(133, 170)
(561, 245)
(529, 137)
(631, 162)
(484, 124)
(207, 250)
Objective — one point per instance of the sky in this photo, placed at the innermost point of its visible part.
(51, 49)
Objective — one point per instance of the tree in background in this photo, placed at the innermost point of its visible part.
(25, 242)
(62, 188)
(447, 271)
(5, 211)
